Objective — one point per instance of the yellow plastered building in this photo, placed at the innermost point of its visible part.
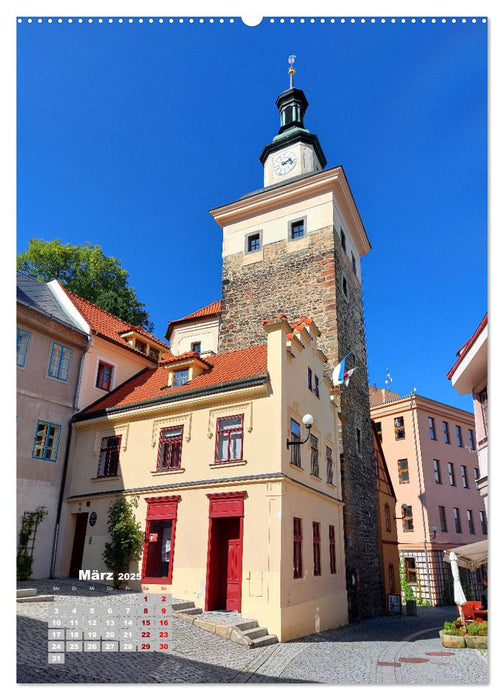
(234, 518)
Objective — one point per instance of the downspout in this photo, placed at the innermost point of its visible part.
(65, 463)
(422, 501)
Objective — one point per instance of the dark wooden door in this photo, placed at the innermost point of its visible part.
(78, 544)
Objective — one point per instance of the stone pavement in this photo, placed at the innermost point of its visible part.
(386, 650)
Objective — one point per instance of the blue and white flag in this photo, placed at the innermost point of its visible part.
(340, 374)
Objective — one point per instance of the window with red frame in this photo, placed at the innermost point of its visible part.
(170, 449)
(332, 550)
(298, 548)
(104, 376)
(108, 461)
(316, 549)
(229, 442)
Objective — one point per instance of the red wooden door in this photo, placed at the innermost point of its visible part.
(233, 580)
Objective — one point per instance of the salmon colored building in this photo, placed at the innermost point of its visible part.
(387, 524)
(234, 519)
(430, 450)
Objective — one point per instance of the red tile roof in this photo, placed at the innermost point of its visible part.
(151, 383)
(109, 326)
(212, 309)
(467, 346)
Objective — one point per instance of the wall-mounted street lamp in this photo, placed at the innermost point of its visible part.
(433, 532)
(403, 511)
(307, 422)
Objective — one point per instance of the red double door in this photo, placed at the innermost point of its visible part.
(225, 549)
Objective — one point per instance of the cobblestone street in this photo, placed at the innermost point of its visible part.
(386, 650)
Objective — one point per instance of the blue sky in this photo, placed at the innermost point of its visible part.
(127, 134)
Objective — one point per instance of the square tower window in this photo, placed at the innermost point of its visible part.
(297, 229)
(253, 242)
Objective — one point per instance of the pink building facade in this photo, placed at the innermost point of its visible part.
(431, 454)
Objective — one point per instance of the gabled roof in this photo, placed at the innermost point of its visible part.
(212, 309)
(37, 296)
(108, 326)
(150, 385)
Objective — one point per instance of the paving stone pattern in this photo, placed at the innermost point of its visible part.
(347, 655)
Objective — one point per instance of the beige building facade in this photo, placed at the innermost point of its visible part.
(431, 454)
(233, 517)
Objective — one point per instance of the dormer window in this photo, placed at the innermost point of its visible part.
(180, 377)
(140, 343)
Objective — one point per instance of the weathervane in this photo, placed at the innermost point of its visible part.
(292, 70)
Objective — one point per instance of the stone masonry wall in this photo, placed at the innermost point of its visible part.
(309, 282)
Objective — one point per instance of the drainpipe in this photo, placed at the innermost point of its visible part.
(422, 501)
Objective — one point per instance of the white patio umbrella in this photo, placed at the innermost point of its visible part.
(458, 593)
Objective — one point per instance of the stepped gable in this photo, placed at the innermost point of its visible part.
(107, 325)
(151, 384)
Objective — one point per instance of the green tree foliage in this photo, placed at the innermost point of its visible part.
(89, 273)
(126, 537)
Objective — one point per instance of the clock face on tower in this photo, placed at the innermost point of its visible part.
(284, 162)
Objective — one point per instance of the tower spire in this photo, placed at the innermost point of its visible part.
(292, 70)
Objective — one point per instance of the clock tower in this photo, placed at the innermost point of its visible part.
(294, 248)
(294, 151)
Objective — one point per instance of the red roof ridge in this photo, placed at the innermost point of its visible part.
(462, 352)
(191, 354)
(128, 326)
(208, 310)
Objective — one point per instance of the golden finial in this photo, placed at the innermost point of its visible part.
(292, 70)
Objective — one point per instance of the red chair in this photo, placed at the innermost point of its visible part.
(471, 613)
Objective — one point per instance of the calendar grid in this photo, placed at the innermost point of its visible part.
(143, 625)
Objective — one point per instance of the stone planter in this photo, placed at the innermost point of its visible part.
(455, 641)
(452, 641)
(477, 641)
